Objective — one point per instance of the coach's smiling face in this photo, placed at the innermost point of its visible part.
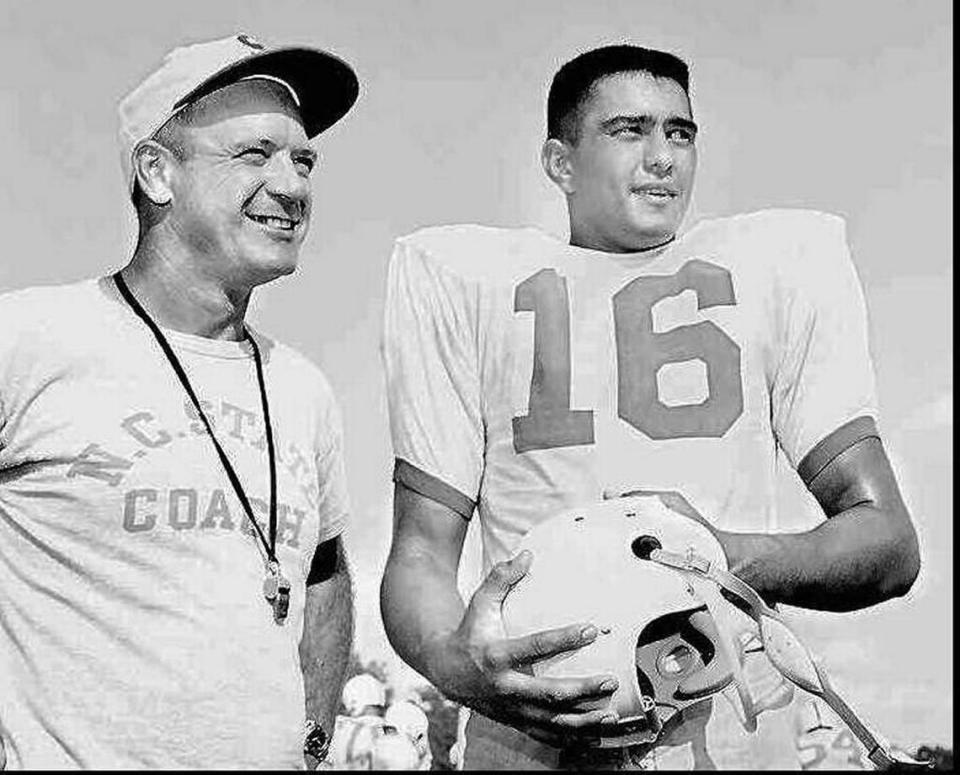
(239, 182)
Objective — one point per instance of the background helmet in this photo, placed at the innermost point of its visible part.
(395, 751)
(363, 690)
(408, 718)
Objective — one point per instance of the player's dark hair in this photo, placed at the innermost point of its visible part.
(574, 81)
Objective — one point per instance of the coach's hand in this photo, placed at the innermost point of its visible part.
(497, 680)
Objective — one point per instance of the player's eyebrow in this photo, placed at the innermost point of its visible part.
(680, 122)
(646, 120)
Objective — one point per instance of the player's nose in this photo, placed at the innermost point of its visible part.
(657, 155)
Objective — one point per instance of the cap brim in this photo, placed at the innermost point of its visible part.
(326, 85)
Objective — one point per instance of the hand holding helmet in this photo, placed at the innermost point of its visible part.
(669, 642)
(499, 683)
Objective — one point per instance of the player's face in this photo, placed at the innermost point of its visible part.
(632, 169)
(242, 194)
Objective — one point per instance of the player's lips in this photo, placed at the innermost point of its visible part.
(656, 192)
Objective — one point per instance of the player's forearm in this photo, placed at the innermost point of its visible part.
(857, 558)
(421, 609)
(325, 646)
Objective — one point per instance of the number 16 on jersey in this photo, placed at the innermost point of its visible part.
(641, 352)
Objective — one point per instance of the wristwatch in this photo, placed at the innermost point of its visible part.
(316, 741)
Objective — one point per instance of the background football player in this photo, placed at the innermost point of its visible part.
(527, 375)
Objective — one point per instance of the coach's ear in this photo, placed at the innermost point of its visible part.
(556, 161)
(152, 167)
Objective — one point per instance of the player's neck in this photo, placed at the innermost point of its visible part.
(179, 297)
(588, 240)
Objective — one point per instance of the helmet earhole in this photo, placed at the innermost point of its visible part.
(644, 545)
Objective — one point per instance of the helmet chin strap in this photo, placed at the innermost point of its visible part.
(710, 594)
(784, 649)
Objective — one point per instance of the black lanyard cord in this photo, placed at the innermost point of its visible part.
(269, 546)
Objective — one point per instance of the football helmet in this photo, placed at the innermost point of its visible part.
(361, 691)
(407, 718)
(672, 641)
(675, 625)
(395, 751)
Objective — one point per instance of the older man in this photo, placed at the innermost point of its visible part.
(173, 592)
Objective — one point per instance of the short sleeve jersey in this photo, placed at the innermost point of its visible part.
(526, 376)
(134, 632)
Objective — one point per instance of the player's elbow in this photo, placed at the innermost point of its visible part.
(405, 575)
(903, 564)
(389, 603)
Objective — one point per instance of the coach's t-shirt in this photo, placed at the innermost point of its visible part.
(133, 628)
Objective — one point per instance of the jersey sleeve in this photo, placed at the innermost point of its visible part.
(333, 502)
(430, 358)
(824, 394)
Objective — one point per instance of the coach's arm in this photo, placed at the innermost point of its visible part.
(327, 632)
(463, 649)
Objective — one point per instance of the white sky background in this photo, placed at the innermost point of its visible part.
(838, 105)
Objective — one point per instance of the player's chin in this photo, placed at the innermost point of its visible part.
(648, 233)
(656, 221)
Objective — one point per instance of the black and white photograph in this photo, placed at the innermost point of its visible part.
(439, 385)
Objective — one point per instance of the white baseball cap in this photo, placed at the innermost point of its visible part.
(323, 85)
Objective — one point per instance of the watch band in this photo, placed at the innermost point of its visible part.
(316, 741)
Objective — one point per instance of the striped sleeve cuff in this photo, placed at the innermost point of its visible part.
(834, 444)
(430, 487)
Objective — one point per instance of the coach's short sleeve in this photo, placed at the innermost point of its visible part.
(823, 393)
(430, 357)
(333, 501)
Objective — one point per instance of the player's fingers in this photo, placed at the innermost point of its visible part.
(671, 499)
(503, 576)
(527, 649)
(561, 695)
(562, 729)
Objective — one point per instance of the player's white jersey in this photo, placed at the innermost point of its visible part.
(526, 376)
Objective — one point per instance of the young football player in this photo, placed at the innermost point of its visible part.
(527, 375)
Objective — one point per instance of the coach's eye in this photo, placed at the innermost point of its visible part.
(305, 164)
(253, 154)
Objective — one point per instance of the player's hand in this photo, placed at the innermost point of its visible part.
(669, 498)
(494, 673)
(674, 501)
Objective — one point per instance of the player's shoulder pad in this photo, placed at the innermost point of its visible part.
(786, 224)
(789, 240)
(473, 251)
